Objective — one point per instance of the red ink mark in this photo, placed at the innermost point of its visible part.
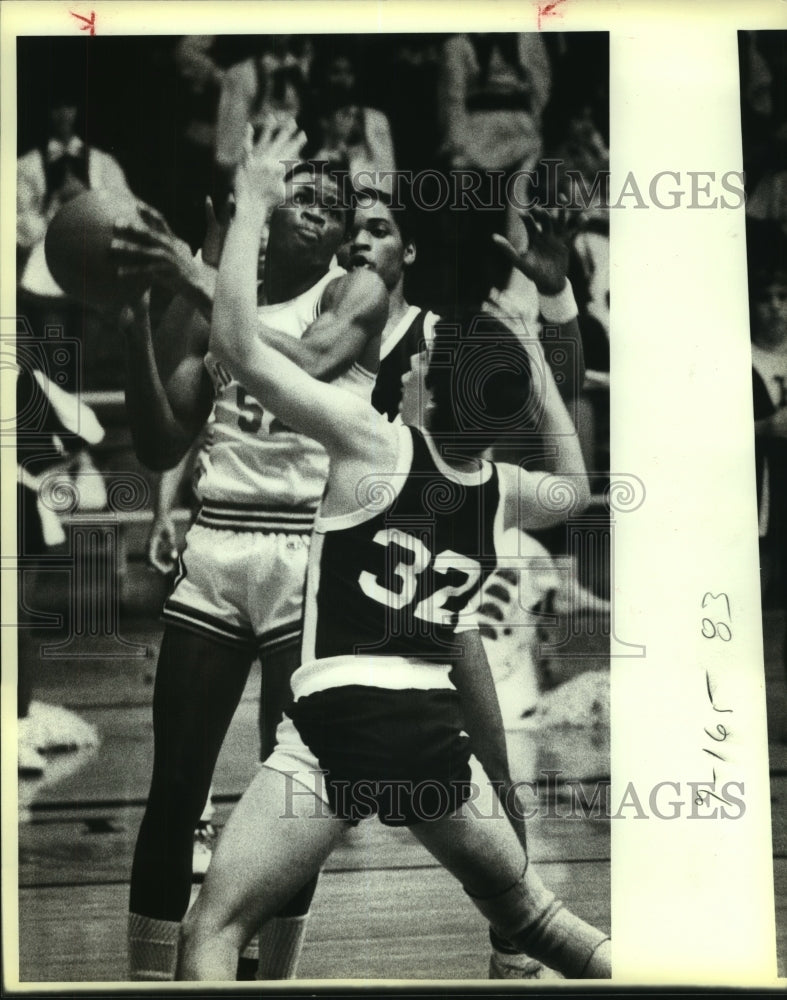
(548, 10)
(90, 22)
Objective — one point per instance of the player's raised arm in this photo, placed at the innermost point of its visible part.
(168, 391)
(544, 260)
(330, 415)
(355, 309)
(541, 499)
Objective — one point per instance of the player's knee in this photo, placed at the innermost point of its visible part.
(202, 924)
(178, 797)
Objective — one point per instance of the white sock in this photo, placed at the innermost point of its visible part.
(280, 944)
(152, 948)
(529, 916)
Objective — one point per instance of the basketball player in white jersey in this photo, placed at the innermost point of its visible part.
(239, 587)
(403, 541)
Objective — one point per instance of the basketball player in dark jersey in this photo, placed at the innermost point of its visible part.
(403, 542)
(382, 240)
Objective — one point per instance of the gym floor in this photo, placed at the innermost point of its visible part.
(383, 909)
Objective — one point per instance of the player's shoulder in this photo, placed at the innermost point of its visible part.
(360, 290)
(511, 481)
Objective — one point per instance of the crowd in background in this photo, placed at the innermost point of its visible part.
(763, 60)
(167, 117)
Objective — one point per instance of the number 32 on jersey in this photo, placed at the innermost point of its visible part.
(460, 573)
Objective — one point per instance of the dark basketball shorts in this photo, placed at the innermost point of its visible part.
(400, 754)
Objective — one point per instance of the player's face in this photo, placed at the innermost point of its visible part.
(310, 221)
(770, 313)
(376, 243)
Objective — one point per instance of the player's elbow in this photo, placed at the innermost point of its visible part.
(322, 359)
(583, 494)
(557, 499)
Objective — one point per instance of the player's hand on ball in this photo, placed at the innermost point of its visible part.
(544, 258)
(144, 249)
(259, 178)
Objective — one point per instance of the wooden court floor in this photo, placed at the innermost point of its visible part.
(383, 909)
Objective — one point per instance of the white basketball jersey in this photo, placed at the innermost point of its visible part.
(251, 456)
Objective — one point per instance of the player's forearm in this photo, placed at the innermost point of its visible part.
(234, 331)
(560, 432)
(197, 288)
(572, 369)
(305, 356)
(158, 436)
(325, 355)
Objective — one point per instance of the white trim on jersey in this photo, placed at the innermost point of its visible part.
(393, 337)
(389, 484)
(499, 527)
(476, 478)
(396, 673)
(429, 323)
(309, 643)
(359, 369)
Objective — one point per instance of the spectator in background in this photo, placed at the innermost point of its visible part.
(268, 81)
(768, 313)
(764, 128)
(53, 427)
(200, 82)
(492, 90)
(409, 85)
(347, 131)
(59, 168)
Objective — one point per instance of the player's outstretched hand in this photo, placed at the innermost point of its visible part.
(162, 547)
(259, 177)
(144, 247)
(544, 260)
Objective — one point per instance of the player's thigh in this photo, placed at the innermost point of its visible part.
(278, 667)
(477, 844)
(274, 842)
(199, 682)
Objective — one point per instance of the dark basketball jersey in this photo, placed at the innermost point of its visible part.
(401, 576)
(407, 338)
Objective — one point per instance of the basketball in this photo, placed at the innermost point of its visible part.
(77, 248)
